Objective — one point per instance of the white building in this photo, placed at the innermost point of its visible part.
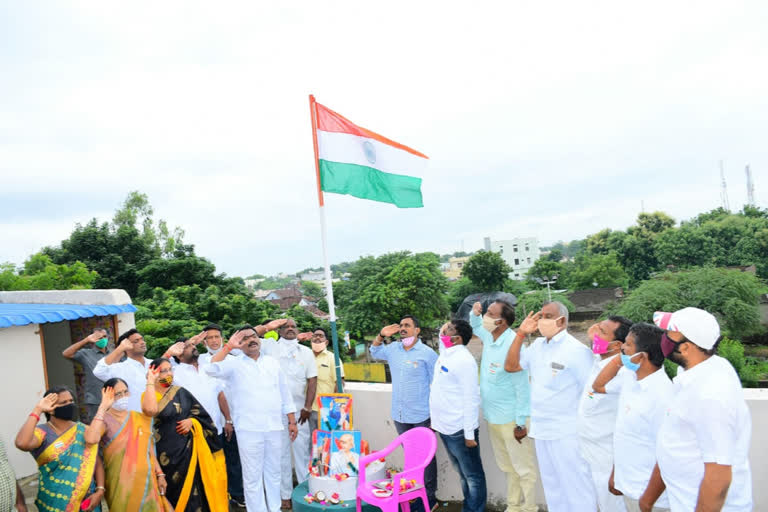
(35, 327)
(519, 253)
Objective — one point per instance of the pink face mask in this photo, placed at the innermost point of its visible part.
(446, 341)
(407, 342)
(599, 345)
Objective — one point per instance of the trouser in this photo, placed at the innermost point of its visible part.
(466, 461)
(634, 506)
(260, 457)
(599, 459)
(518, 462)
(300, 451)
(234, 470)
(312, 428)
(430, 472)
(565, 476)
(90, 412)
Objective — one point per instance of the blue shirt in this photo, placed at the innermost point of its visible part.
(506, 397)
(412, 372)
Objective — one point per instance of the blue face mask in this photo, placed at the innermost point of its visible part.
(627, 362)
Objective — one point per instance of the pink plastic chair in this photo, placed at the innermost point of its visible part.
(419, 446)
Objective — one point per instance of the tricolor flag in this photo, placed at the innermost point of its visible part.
(356, 161)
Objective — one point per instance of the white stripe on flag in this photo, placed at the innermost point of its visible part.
(353, 149)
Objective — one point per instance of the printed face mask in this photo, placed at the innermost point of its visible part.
(627, 362)
(407, 342)
(166, 381)
(102, 343)
(489, 323)
(121, 404)
(548, 327)
(446, 340)
(599, 345)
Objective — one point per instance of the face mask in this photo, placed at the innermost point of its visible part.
(489, 324)
(101, 343)
(407, 342)
(121, 404)
(166, 381)
(667, 345)
(627, 362)
(215, 351)
(446, 341)
(548, 327)
(65, 412)
(599, 345)
(318, 347)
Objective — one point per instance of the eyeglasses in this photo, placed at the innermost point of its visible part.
(122, 394)
(319, 340)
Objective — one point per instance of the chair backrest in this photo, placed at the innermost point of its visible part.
(419, 446)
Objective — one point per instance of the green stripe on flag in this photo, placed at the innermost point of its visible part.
(369, 183)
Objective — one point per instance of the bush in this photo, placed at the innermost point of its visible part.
(733, 351)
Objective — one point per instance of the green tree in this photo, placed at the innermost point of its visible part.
(458, 290)
(544, 269)
(487, 271)
(731, 295)
(597, 270)
(384, 289)
(555, 255)
(312, 289)
(40, 273)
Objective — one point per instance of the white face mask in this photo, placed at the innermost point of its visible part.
(213, 352)
(121, 404)
(489, 323)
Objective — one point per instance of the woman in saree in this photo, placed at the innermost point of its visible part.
(134, 480)
(188, 446)
(71, 476)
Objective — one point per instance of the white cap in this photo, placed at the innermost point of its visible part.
(697, 325)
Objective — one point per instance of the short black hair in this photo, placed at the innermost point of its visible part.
(212, 327)
(648, 340)
(127, 334)
(57, 389)
(623, 329)
(321, 329)
(181, 338)
(111, 383)
(507, 312)
(415, 320)
(463, 329)
(157, 362)
(710, 352)
(244, 327)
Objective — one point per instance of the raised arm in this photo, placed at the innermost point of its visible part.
(149, 400)
(235, 341)
(529, 326)
(606, 375)
(26, 440)
(95, 336)
(95, 431)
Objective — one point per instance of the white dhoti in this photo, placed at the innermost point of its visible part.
(260, 459)
(599, 459)
(300, 451)
(565, 476)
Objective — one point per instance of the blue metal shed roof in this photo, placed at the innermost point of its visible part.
(23, 314)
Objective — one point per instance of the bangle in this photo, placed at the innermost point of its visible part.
(160, 474)
(291, 423)
(33, 415)
(99, 417)
(101, 488)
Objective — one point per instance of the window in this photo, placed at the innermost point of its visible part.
(514, 248)
(526, 248)
(517, 275)
(529, 260)
(517, 261)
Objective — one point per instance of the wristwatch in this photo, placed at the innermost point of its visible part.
(230, 422)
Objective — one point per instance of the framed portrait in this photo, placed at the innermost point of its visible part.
(334, 412)
(345, 452)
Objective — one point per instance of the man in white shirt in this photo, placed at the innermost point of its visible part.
(133, 370)
(703, 444)
(298, 365)
(454, 406)
(261, 398)
(597, 412)
(639, 379)
(559, 366)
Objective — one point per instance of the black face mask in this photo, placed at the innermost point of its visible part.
(65, 412)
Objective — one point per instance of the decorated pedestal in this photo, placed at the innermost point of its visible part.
(300, 504)
(336, 487)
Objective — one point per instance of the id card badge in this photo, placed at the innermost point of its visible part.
(556, 368)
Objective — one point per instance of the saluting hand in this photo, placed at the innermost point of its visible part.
(530, 324)
(48, 403)
(107, 398)
(304, 336)
(390, 330)
(236, 340)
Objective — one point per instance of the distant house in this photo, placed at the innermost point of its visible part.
(262, 294)
(452, 270)
(284, 293)
(593, 302)
(316, 276)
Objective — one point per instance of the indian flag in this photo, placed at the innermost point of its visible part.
(356, 161)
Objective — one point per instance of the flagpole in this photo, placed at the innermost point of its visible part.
(324, 237)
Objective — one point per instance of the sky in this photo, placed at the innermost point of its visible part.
(547, 119)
